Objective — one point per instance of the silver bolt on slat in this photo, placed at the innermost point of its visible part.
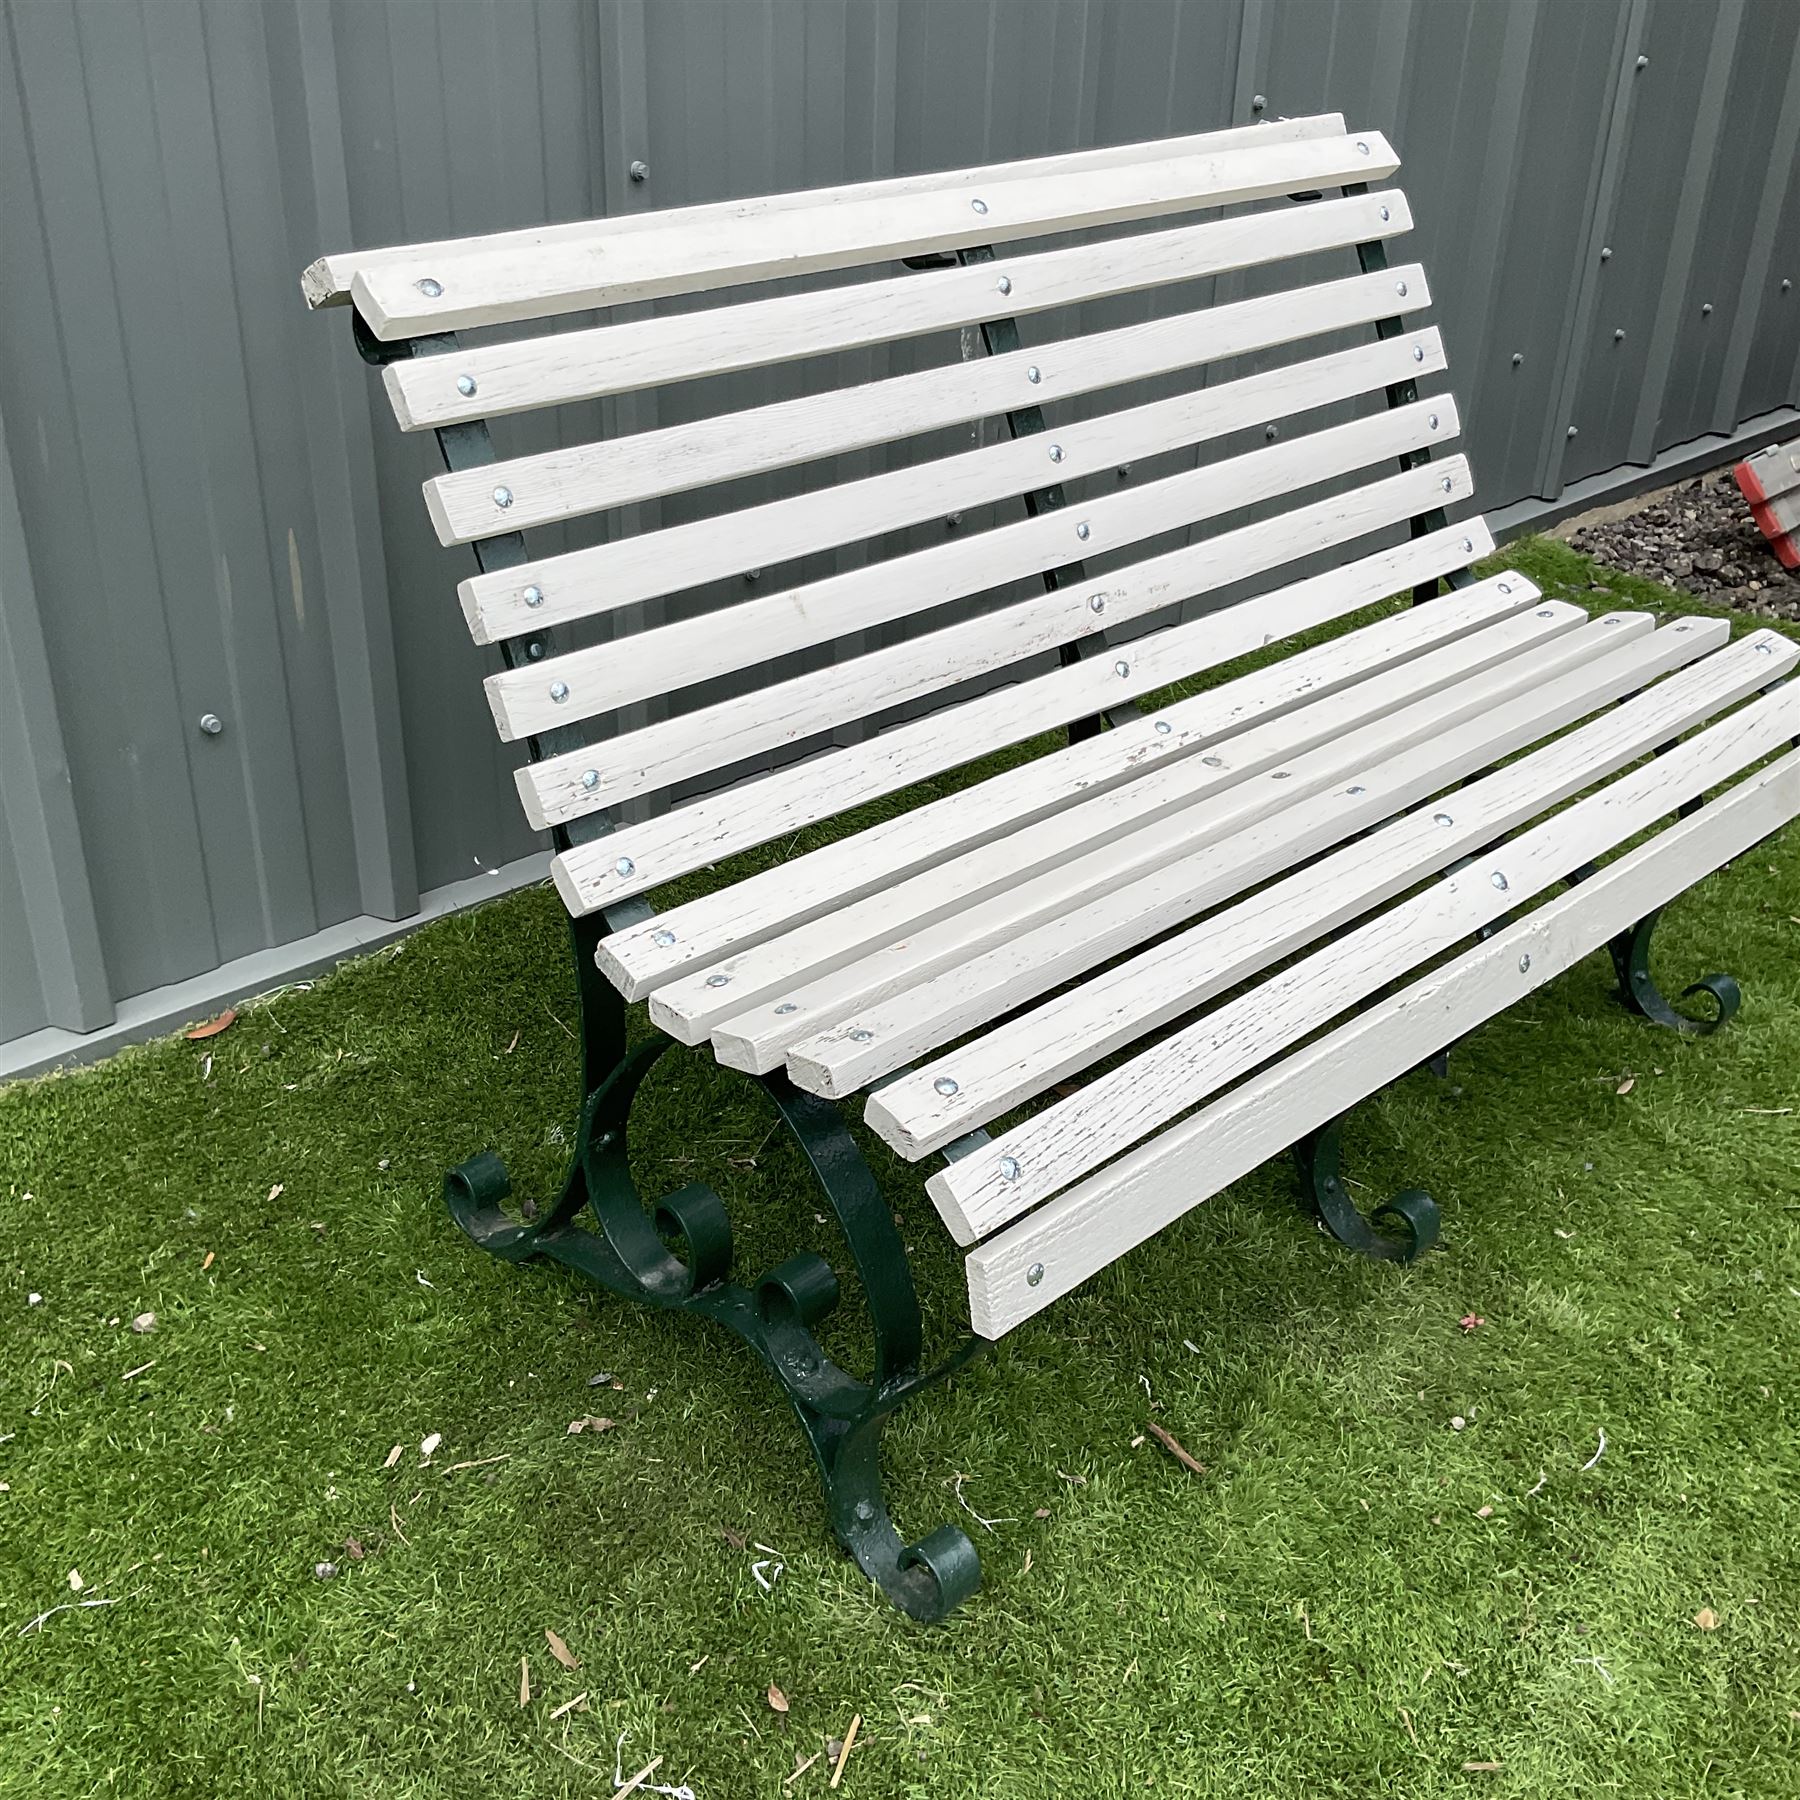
(534, 650)
(1056, 452)
(979, 205)
(1096, 603)
(1034, 1274)
(1431, 419)
(1385, 215)
(945, 1085)
(1084, 530)
(788, 1006)
(1446, 484)
(1543, 612)
(559, 691)
(625, 866)
(533, 596)
(1499, 881)
(665, 938)
(1506, 587)
(1468, 545)
(1163, 727)
(1362, 148)
(465, 385)
(1764, 647)
(1121, 669)
(1004, 284)
(1359, 790)
(1213, 762)
(1524, 962)
(861, 1036)
(1009, 1168)
(503, 497)
(590, 779)
(1442, 819)
(1400, 289)
(1034, 374)
(1418, 352)
(717, 980)
(429, 288)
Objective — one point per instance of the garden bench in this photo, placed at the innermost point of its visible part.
(1102, 981)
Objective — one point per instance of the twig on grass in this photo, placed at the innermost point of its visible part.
(1173, 1445)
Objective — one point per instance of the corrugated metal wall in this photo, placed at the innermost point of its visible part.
(202, 509)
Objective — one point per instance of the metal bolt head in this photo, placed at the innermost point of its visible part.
(1359, 790)
(1034, 374)
(465, 385)
(1518, 356)
(1442, 819)
(1084, 531)
(533, 595)
(1764, 647)
(979, 206)
(717, 981)
(1786, 286)
(1385, 215)
(1009, 1168)
(639, 171)
(664, 938)
(1618, 334)
(590, 779)
(1468, 545)
(1362, 148)
(1418, 352)
(788, 1006)
(1034, 1274)
(1400, 289)
(211, 724)
(1004, 284)
(753, 575)
(1499, 881)
(429, 288)
(625, 866)
(1524, 962)
(1163, 727)
(1706, 310)
(1574, 431)
(945, 1086)
(1506, 587)
(1643, 62)
(503, 497)
(1447, 484)
(1097, 603)
(1213, 762)
(1271, 432)
(559, 691)
(864, 1511)
(861, 1036)
(1258, 102)
(1121, 669)
(1606, 253)
(534, 650)
(1056, 452)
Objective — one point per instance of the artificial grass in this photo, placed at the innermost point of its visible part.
(1355, 1597)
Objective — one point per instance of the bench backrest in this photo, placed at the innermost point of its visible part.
(672, 698)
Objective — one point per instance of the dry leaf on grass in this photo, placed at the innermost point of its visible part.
(213, 1027)
(1626, 1085)
(1707, 1619)
(560, 1650)
(778, 1701)
(206, 1263)
(736, 1539)
(524, 1681)
(394, 1455)
(590, 1423)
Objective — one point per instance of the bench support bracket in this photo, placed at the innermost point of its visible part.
(624, 1245)
(1640, 994)
(1414, 1211)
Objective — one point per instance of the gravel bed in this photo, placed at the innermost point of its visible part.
(1698, 536)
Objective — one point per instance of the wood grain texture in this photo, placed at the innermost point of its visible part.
(1083, 1230)
(561, 367)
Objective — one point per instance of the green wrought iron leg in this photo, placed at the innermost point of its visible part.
(840, 1414)
(1413, 1211)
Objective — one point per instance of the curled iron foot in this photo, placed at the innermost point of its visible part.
(1640, 994)
(1414, 1213)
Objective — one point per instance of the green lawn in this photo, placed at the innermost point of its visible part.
(1356, 1599)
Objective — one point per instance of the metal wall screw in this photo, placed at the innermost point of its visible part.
(625, 866)
(1056, 452)
(788, 1006)
(1034, 1274)
(590, 779)
(1643, 62)
(1097, 603)
(533, 596)
(1084, 531)
(1618, 334)
(1574, 431)
(753, 574)
(211, 724)
(465, 385)
(1009, 1168)
(1004, 284)
(665, 938)
(1442, 819)
(1163, 727)
(639, 171)
(1518, 356)
(1498, 880)
(1400, 289)
(1123, 471)
(861, 1036)
(1524, 962)
(1258, 102)
(1606, 253)
(1786, 285)
(1706, 310)
(944, 1085)
(979, 205)
(534, 650)
(1034, 374)
(1271, 432)
(429, 288)
(952, 520)
(717, 980)
(559, 691)
(503, 497)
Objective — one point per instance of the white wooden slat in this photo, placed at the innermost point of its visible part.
(1356, 879)
(962, 905)
(645, 855)
(605, 577)
(562, 367)
(470, 284)
(1068, 1139)
(651, 662)
(884, 1015)
(327, 281)
(574, 782)
(732, 730)
(525, 491)
(1054, 1250)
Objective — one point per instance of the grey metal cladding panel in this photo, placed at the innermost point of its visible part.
(83, 495)
(22, 1004)
(1771, 377)
(1760, 79)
